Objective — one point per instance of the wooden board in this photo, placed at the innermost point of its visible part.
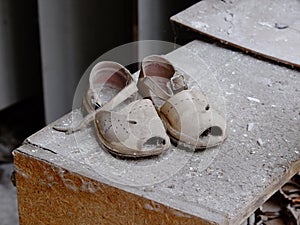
(223, 185)
(270, 28)
(55, 194)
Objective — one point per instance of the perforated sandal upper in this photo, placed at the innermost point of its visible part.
(187, 115)
(127, 127)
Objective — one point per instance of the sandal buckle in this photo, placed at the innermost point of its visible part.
(178, 83)
(94, 101)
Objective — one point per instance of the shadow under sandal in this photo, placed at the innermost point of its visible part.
(127, 127)
(187, 115)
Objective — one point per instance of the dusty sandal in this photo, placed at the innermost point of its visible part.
(127, 127)
(188, 117)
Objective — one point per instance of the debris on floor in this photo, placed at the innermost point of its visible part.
(283, 208)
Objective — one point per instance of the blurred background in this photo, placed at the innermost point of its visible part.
(45, 47)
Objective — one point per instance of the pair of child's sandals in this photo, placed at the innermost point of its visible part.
(132, 127)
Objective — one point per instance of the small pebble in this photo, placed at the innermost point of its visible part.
(281, 26)
(250, 126)
(171, 186)
(259, 142)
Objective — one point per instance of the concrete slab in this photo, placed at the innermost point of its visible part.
(270, 28)
(223, 185)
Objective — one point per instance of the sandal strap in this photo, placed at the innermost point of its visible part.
(177, 84)
(94, 99)
(124, 94)
(116, 100)
(147, 83)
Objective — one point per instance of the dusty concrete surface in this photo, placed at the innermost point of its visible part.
(225, 184)
(269, 27)
(8, 197)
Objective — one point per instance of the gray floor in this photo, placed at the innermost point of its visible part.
(13, 130)
(8, 197)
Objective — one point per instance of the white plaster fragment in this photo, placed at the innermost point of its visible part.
(253, 99)
(250, 126)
